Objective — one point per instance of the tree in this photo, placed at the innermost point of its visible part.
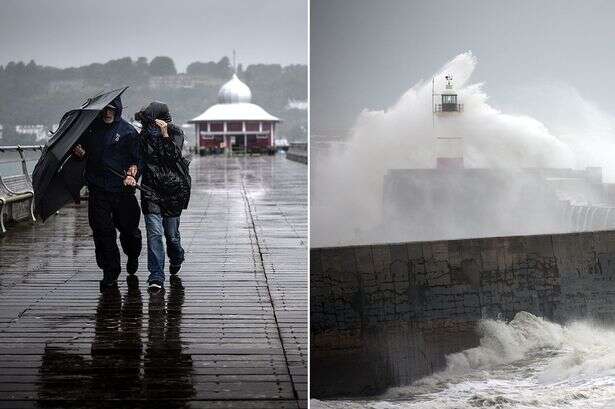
(142, 65)
(220, 69)
(265, 74)
(120, 68)
(31, 67)
(202, 68)
(224, 67)
(162, 66)
(27, 97)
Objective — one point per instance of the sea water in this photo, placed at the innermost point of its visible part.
(528, 362)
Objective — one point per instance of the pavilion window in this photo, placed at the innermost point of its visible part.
(252, 127)
(234, 127)
(216, 127)
(266, 126)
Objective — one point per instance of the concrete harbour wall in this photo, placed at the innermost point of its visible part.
(387, 314)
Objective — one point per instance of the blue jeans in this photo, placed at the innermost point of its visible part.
(156, 226)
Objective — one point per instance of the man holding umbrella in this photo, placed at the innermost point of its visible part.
(110, 146)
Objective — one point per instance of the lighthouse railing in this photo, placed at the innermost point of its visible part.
(448, 108)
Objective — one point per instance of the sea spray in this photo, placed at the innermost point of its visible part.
(347, 187)
(528, 362)
(588, 351)
(500, 343)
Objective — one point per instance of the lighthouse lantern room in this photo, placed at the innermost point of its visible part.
(449, 148)
(449, 98)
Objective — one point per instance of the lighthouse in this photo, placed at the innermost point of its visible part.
(448, 101)
(449, 148)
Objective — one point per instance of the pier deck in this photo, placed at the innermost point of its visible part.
(236, 337)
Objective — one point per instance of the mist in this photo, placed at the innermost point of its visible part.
(348, 205)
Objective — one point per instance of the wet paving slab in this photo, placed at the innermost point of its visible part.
(234, 337)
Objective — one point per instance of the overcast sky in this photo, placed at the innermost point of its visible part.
(365, 53)
(66, 33)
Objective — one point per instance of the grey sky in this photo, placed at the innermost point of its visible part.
(365, 53)
(76, 32)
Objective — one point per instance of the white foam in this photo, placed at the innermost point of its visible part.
(526, 363)
(347, 187)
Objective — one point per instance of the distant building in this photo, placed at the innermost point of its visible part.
(296, 104)
(1, 130)
(235, 123)
(39, 132)
(182, 81)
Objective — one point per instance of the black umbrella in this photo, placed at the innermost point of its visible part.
(58, 176)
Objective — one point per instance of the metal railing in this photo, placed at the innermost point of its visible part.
(16, 192)
(448, 108)
(20, 149)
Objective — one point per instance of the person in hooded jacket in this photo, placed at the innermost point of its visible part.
(112, 143)
(167, 179)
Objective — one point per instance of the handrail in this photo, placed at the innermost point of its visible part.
(458, 108)
(17, 148)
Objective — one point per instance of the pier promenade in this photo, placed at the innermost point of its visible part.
(235, 337)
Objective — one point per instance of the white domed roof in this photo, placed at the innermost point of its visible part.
(241, 111)
(234, 91)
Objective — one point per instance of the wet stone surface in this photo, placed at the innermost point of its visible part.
(388, 314)
(235, 337)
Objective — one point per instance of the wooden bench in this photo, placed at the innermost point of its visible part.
(15, 190)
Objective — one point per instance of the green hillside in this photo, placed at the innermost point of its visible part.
(31, 94)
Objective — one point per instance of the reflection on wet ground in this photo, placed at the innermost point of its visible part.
(234, 337)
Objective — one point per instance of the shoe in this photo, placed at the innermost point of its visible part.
(173, 270)
(108, 285)
(132, 281)
(155, 286)
(176, 282)
(132, 265)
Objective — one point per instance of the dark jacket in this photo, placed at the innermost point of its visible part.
(164, 169)
(114, 145)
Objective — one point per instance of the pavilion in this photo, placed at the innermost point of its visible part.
(235, 124)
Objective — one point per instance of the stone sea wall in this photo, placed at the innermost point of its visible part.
(387, 314)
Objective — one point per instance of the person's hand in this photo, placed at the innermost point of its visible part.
(78, 151)
(132, 171)
(163, 127)
(130, 181)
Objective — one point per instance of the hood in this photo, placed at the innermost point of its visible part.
(155, 110)
(117, 103)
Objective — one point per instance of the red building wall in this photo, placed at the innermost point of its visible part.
(262, 140)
